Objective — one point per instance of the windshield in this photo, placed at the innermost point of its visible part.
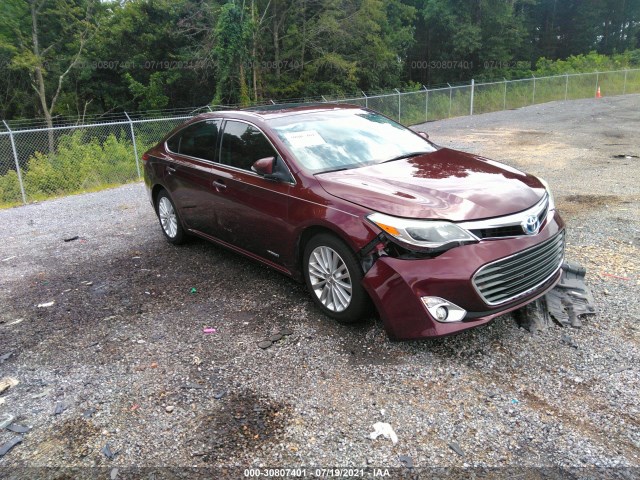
(344, 139)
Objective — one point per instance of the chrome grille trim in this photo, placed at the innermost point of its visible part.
(540, 210)
(519, 274)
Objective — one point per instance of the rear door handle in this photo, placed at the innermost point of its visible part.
(219, 184)
(171, 170)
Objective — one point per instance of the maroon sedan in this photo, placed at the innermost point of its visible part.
(364, 211)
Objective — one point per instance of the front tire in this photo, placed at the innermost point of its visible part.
(169, 220)
(334, 278)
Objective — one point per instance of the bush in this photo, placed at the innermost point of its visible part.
(81, 163)
(590, 62)
(10, 189)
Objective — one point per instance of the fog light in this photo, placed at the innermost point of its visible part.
(441, 314)
(443, 310)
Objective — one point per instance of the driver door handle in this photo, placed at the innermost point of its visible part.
(219, 184)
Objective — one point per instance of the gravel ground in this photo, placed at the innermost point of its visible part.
(122, 357)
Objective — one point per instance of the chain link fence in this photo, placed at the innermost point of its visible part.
(84, 158)
(37, 163)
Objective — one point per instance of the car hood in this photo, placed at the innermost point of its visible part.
(445, 184)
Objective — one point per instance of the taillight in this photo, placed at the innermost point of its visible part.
(145, 157)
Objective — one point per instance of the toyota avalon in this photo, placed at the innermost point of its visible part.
(368, 213)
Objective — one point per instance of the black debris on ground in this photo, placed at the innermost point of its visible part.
(60, 407)
(5, 357)
(15, 428)
(569, 300)
(456, 448)
(108, 452)
(4, 449)
(406, 461)
(567, 340)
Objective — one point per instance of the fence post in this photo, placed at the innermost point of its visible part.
(15, 158)
(366, 99)
(533, 102)
(624, 86)
(426, 104)
(473, 87)
(135, 147)
(566, 86)
(504, 102)
(323, 99)
(595, 94)
(450, 99)
(399, 106)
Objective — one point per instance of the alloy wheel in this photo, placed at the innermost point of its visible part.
(330, 279)
(168, 217)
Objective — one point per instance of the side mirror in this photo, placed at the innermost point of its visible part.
(264, 166)
(424, 135)
(269, 169)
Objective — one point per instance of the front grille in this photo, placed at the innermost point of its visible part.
(510, 231)
(514, 276)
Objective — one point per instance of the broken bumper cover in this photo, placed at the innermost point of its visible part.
(397, 286)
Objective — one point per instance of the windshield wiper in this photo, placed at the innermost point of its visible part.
(332, 170)
(405, 155)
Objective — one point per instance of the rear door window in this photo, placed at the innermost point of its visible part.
(197, 140)
(243, 144)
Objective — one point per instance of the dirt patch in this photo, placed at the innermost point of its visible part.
(532, 146)
(538, 403)
(614, 135)
(616, 260)
(593, 200)
(71, 440)
(244, 422)
(572, 204)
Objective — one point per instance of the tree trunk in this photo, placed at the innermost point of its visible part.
(304, 36)
(623, 24)
(40, 89)
(254, 60)
(276, 39)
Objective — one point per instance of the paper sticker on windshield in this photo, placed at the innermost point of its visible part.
(307, 138)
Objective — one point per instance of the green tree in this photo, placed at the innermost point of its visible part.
(47, 40)
(620, 26)
(151, 96)
(463, 36)
(65, 57)
(232, 37)
(150, 54)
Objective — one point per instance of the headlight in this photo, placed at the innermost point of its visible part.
(552, 204)
(421, 233)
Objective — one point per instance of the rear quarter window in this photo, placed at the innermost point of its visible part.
(197, 140)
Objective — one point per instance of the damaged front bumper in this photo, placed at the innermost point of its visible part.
(398, 285)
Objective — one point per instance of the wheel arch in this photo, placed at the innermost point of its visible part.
(155, 191)
(307, 234)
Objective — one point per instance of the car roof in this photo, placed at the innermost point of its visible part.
(266, 112)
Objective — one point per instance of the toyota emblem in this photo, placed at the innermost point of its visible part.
(531, 225)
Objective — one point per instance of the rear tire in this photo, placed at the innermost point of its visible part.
(334, 278)
(169, 221)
